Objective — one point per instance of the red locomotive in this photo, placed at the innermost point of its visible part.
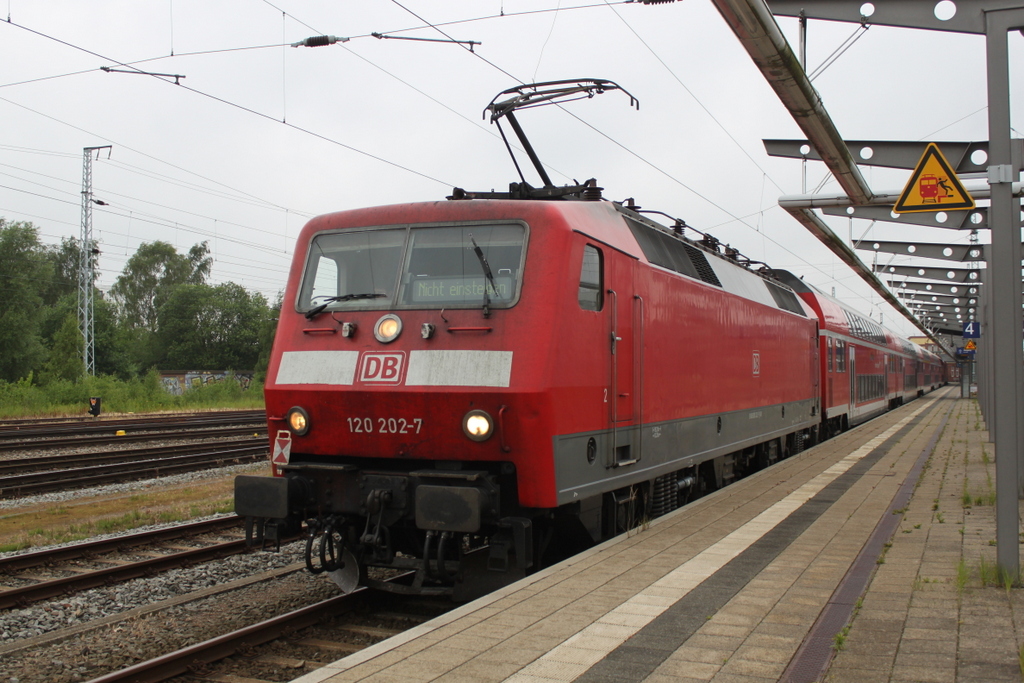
(469, 389)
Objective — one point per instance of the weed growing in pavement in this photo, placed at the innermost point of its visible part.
(839, 639)
(885, 549)
(988, 572)
(962, 575)
(1008, 581)
(940, 518)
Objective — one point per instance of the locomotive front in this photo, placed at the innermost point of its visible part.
(390, 397)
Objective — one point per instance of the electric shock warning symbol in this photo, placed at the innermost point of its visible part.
(933, 186)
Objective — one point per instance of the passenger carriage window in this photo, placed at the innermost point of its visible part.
(591, 291)
(828, 343)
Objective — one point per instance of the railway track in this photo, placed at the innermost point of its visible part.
(302, 640)
(111, 437)
(53, 462)
(155, 463)
(20, 429)
(109, 567)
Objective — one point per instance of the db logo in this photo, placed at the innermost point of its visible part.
(385, 368)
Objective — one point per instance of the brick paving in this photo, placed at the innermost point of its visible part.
(935, 610)
(639, 608)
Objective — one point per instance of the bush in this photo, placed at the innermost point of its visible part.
(138, 395)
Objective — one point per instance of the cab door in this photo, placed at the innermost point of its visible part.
(623, 397)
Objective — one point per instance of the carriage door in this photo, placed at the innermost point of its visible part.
(853, 377)
(622, 394)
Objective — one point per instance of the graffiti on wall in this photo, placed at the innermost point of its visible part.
(177, 382)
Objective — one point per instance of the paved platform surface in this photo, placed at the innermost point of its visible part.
(870, 557)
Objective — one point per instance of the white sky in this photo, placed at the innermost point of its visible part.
(212, 160)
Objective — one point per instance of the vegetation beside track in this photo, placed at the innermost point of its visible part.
(24, 398)
(50, 523)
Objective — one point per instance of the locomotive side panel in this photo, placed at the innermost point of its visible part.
(716, 371)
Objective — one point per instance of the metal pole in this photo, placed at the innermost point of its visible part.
(85, 297)
(1005, 314)
(86, 275)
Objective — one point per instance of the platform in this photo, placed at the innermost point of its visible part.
(867, 558)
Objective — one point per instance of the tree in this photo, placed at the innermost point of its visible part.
(66, 260)
(211, 328)
(24, 273)
(267, 337)
(65, 360)
(149, 276)
(111, 342)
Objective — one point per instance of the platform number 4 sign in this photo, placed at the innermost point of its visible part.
(972, 330)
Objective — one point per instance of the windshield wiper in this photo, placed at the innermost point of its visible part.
(487, 273)
(319, 308)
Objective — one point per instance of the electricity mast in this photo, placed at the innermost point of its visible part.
(86, 274)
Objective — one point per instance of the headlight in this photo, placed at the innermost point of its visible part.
(387, 328)
(477, 425)
(298, 421)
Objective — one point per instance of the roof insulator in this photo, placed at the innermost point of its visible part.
(320, 41)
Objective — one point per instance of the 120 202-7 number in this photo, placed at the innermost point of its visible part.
(384, 425)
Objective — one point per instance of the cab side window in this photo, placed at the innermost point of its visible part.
(591, 292)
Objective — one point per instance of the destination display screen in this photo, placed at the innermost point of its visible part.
(468, 290)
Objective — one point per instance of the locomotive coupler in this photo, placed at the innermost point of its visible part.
(379, 538)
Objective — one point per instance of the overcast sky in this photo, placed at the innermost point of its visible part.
(258, 137)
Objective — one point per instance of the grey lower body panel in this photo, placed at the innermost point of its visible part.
(630, 454)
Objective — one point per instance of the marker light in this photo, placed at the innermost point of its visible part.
(387, 328)
(298, 421)
(477, 425)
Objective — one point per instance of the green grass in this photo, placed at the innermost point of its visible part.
(25, 398)
(962, 575)
(839, 639)
(988, 572)
(11, 547)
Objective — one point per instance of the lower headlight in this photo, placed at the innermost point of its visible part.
(477, 425)
(298, 421)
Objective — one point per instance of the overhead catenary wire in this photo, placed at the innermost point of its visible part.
(242, 107)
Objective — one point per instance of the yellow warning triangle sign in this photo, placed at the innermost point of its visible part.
(933, 186)
(970, 345)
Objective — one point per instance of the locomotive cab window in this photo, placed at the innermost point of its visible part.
(352, 269)
(417, 267)
(591, 277)
(454, 266)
